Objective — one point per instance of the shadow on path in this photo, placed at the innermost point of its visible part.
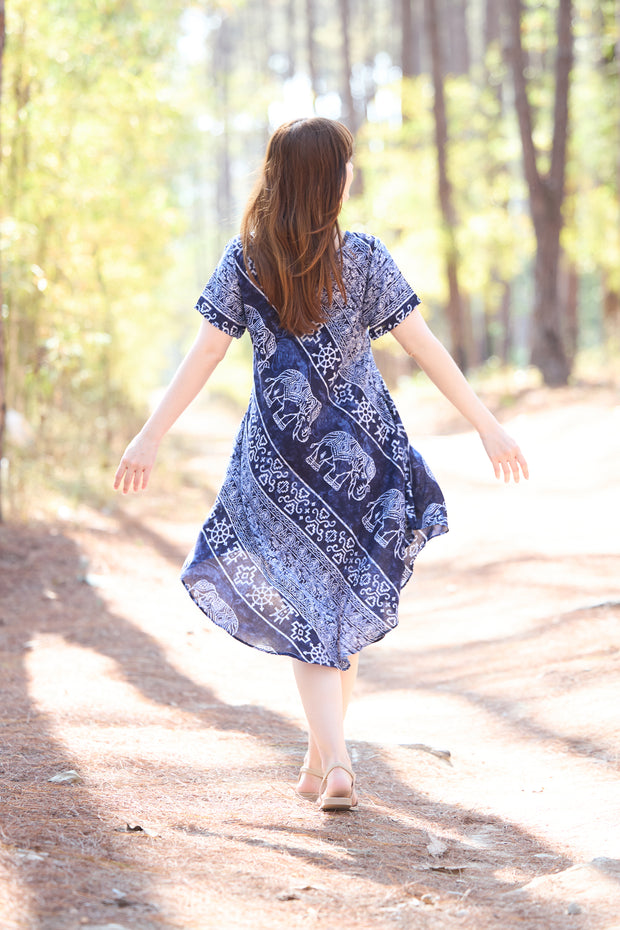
(559, 655)
(60, 841)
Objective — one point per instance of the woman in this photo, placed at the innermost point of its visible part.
(325, 505)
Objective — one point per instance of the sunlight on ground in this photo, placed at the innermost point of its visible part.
(502, 658)
(73, 685)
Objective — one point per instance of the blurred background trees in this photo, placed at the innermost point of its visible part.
(487, 157)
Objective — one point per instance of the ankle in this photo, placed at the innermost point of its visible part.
(312, 760)
(341, 759)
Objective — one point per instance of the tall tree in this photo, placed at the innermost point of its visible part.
(410, 51)
(222, 52)
(609, 66)
(458, 342)
(311, 46)
(491, 22)
(546, 193)
(349, 114)
(455, 36)
(410, 44)
(89, 213)
(2, 358)
(291, 45)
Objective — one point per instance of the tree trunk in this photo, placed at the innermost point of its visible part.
(611, 313)
(410, 48)
(546, 195)
(2, 353)
(458, 343)
(410, 53)
(291, 44)
(506, 323)
(223, 194)
(366, 26)
(617, 54)
(491, 22)
(349, 116)
(570, 296)
(455, 36)
(265, 24)
(611, 295)
(311, 46)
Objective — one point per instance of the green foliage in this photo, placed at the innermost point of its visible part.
(399, 202)
(130, 136)
(592, 237)
(89, 137)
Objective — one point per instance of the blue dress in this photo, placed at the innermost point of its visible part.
(325, 504)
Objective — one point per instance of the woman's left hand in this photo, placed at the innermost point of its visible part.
(506, 456)
(136, 464)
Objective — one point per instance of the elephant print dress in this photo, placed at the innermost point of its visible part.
(325, 505)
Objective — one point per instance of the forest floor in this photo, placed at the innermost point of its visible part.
(485, 730)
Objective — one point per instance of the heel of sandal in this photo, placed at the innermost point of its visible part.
(337, 802)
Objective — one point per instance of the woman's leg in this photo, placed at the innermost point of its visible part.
(348, 679)
(325, 694)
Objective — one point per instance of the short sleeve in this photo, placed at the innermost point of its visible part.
(221, 303)
(388, 297)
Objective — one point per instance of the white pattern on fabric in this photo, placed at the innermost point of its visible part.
(264, 340)
(346, 462)
(207, 598)
(293, 401)
(317, 525)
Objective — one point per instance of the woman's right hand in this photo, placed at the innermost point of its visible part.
(136, 464)
(504, 453)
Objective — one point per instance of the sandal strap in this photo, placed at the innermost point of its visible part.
(304, 770)
(339, 765)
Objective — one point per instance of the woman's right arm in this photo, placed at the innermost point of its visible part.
(419, 342)
(206, 353)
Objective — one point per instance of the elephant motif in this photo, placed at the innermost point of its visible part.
(263, 339)
(206, 596)
(294, 402)
(386, 516)
(345, 460)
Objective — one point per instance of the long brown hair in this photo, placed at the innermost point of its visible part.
(290, 230)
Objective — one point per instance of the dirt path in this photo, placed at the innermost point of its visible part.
(485, 731)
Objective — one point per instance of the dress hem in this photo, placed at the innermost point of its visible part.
(437, 529)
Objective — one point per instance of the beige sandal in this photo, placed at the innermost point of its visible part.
(327, 803)
(309, 795)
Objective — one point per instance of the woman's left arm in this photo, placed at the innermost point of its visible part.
(419, 342)
(204, 356)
